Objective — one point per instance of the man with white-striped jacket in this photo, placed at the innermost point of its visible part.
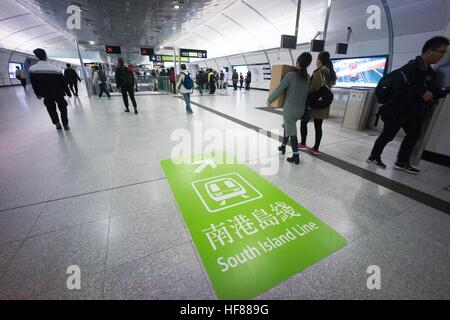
(48, 82)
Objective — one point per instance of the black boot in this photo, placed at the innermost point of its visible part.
(282, 149)
(126, 109)
(135, 111)
(295, 159)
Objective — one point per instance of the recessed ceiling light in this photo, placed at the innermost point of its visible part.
(92, 42)
(176, 7)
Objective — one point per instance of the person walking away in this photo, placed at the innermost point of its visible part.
(48, 82)
(241, 80)
(172, 79)
(416, 94)
(221, 80)
(248, 80)
(324, 74)
(125, 83)
(296, 85)
(102, 82)
(201, 81)
(20, 75)
(235, 79)
(185, 86)
(72, 79)
(212, 83)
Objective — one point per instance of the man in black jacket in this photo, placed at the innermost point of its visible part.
(48, 82)
(409, 104)
(71, 77)
(125, 83)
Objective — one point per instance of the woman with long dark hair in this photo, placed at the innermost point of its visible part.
(324, 74)
(296, 85)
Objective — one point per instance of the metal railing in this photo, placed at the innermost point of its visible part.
(142, 84)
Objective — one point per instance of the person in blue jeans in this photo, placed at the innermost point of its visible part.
(181, 85)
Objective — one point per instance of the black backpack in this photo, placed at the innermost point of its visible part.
(387, 89)
(322, 98)
(388, 86)
(391, 83)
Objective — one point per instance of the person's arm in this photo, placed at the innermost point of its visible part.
(77, 75)
(281, 87)
(35, 85)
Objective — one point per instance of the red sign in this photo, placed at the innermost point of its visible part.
(113, 50)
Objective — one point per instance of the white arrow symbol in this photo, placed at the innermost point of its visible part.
(204, 164)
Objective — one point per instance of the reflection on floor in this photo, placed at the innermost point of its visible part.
(96, 197)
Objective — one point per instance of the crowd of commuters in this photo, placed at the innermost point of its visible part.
(414, 93)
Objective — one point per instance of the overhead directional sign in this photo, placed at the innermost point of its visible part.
(113, 50)
(166, 58)
(249, 234)
(193, 53)
(147, 51)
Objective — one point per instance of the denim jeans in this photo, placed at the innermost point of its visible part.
(102, 87)
(187, 99)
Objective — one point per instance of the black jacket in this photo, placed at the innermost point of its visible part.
(421, 79)
(124, 78)
(48, 81)
(71, 76)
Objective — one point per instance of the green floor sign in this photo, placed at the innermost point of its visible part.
(249, 234)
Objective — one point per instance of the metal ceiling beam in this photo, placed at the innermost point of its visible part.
(16, 16)
(231, 4)
(27, 6)
(105, 16)
(36, 26)
(148, 17)
(218, 32)
(262, 16)
(241, 26)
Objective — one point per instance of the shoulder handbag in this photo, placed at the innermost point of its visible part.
(322, 98)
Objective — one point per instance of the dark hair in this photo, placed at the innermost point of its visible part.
(324, 57)
(183, 67)
(303, 61)
(40, 53)
(435, 43)
(17, 67)
(120, 61)
(68, 65)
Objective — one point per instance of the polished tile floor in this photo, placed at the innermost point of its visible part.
(96, 197)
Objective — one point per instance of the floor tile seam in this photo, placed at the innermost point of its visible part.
(107, 244)
(122, 264)
(140, 212)
(82, 194)
(22, 242)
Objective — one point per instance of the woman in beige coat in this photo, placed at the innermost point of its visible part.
(323, 74)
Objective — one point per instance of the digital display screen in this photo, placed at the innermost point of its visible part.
(359, 72)
(113, 50)
(147, 51)
(12, 69)
(192, 53)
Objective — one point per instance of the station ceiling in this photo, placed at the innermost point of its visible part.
(223, 27)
